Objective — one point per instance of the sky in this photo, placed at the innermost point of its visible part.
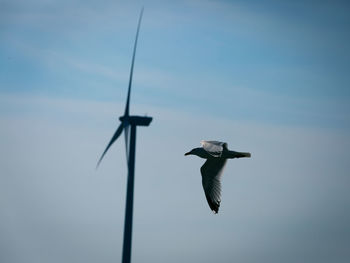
(268, 77)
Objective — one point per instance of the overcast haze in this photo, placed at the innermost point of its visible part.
(266, 77)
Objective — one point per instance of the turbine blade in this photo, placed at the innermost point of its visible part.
(114, 138)
(126, 113)
(126, 133)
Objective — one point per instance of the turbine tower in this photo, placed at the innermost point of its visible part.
(129, 121)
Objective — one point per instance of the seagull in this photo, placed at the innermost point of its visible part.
(216, 154)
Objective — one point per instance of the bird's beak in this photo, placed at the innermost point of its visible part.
(187, 153)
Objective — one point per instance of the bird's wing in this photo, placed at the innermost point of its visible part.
(214, 148)
(211, 180)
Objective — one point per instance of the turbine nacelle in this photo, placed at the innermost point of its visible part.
(127, 120)
(136, 120)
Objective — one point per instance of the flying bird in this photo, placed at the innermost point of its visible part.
(216, 153)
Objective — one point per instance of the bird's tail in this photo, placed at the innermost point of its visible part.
(243, 154)
(234, 154)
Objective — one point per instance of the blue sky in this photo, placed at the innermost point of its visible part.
(269, 77)
(273, 56)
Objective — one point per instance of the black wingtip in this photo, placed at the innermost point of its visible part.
(214, 206)
(215, 210)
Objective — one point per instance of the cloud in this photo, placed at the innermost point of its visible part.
(291, 195)
(70, 49)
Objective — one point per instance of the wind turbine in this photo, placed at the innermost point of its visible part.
(129, 121)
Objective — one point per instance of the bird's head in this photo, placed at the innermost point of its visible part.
(189, 153)
(195, 151)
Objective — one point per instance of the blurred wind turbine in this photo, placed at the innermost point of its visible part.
(128, 122)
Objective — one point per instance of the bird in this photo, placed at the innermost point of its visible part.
(216, 154)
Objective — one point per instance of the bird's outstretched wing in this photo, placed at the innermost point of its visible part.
(214, 148)
(211, 180)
